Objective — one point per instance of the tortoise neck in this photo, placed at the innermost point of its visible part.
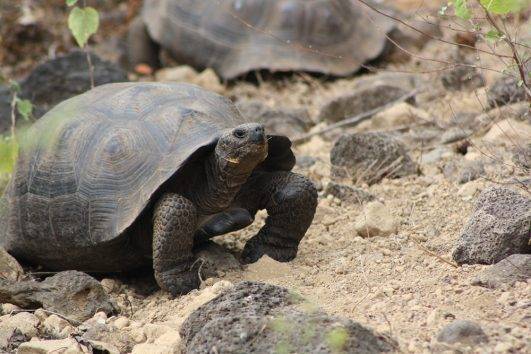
(223, 182)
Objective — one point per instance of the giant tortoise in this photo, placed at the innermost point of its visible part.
(237, 36)
(135, 174)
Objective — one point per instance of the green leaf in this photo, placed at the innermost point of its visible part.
(503, 7)
(83, 23)
(71, 2)
(461, 10)
(24, 108)
(493, 35)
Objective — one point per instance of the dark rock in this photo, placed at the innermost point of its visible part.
(57, 80)
(516, 267)
(361, 100)
(504, 91)
(347, 193)
(73, 294)
(462, 331)
(464, 171)
(522, 157)
(282, 121)
(499, 227)
(370, 157)
(244, 298)
(260, 318)
(462, 77)
(305, 161)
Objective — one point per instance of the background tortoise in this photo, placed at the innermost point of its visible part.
(133, 173)
(237, 36)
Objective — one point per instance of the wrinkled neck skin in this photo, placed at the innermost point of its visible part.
(223, 181)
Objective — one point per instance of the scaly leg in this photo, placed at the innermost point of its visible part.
(174, 222)
(290, 200)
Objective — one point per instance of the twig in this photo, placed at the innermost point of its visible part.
(13, 114)
(507, 39)
(424, 33)
(357, 119)
(91, 67)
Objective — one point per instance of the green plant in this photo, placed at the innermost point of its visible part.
(337, 339)
(83, 22)
(495, 13)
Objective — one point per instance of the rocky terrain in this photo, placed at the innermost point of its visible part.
(420, 242)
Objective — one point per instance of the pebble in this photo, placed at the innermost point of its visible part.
(121, 322)
(375, 220)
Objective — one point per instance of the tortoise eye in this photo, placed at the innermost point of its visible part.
(239, 133)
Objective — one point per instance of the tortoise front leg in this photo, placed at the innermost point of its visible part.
(141, 49)
(174, 222)
(290, 200)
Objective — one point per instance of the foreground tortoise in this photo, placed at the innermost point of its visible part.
(237, 36)
(134, 174)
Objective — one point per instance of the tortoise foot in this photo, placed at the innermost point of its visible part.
(254, 250)
(178, 282)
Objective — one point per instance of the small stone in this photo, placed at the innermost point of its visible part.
(462, 77)
(215, 259)
(182, 73)
(121, 322)
(508, 271)
(110, 285)
(361, 100)
(8, 309)
(498, 227)
(65, 346)
(100, 317)
(27, 323)
(209, 80)
(305, 161)
(462, 331)
(375, 220)
(54, 325)
(504, 91)
(138, 335)
(464, 171)
(508, 132)
(41, 314)
(370, 157)
(9, 267)
(348, 193)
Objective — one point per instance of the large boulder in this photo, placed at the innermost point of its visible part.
(499, 227)
(370, 157)
(56, 80)
(255, 317)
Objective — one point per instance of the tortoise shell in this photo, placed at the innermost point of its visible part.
(236, 36)
(89, 167)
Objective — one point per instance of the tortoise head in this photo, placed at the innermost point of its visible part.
(243, 147)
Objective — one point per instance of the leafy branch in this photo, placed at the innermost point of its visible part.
(83, 22)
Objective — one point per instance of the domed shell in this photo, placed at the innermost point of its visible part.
(88, 168)
(237, 36)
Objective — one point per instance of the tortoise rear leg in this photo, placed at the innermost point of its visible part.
(141, 49)
(174, 222)
(290, 200)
